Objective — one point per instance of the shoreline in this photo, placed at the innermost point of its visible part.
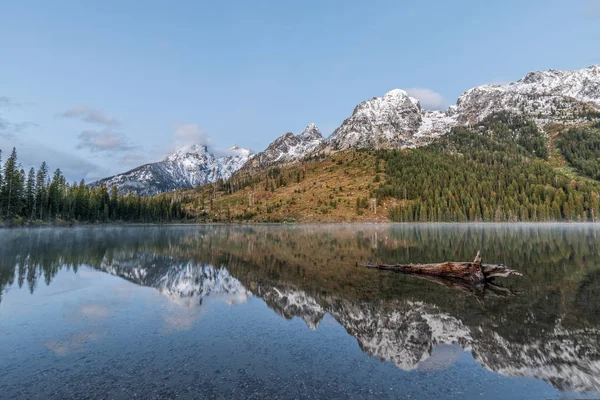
(289, 224)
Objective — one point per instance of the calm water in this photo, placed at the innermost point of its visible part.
(283, 312)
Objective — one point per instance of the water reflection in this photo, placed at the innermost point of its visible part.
(550, 331)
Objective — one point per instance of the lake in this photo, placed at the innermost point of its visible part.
(284, 312)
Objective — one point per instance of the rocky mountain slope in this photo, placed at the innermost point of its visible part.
(187, 167)
(549, 96)
(395, 120)
(289, 148)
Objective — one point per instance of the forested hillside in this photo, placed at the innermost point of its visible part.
(498, 171)
(38, 197)
(503, 169)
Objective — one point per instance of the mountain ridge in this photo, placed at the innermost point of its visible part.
(186, 167)
(393, 121)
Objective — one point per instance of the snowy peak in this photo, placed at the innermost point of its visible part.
(311, 132)
(397, 120)
(583, 84)
(289, 148)
(196, 149)
(187, 167)
(547, 96)
(391, 121)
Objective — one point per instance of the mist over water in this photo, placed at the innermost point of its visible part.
(284, 312)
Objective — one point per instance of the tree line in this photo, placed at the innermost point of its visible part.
(38, 195)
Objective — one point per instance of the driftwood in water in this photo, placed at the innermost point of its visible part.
(479, 290)
(474, 272)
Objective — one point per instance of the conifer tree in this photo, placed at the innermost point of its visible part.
(10, 191)
(29, 211)
(40, 190)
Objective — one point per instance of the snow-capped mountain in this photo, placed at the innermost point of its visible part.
(397, 120)
(547, 96)
(289, 147)
(187, 167)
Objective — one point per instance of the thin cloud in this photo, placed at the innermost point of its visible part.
(31, 154)
(133, 159)
(6, 101)
(593, 8)
(90, 115)
(189, 134)
(4, 129)
(8, 129)
(103, 141)
(428, 98)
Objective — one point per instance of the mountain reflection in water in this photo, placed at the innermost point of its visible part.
(550, 331)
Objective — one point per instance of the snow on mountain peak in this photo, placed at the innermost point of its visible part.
(187, 167)
(545, 95)
(187, 151)
(290, 147)
(395, 120)
(381, 122)
(311, 132)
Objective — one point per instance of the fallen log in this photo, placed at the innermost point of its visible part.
(473, 272)
(479, 290)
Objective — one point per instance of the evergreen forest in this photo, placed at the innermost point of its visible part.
(38, 196)
(494, 172)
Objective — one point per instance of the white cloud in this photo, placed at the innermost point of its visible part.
(90, 115)
(188, 134)
(106, 140)
(428, 98)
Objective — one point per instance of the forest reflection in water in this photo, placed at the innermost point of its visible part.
(549, 331)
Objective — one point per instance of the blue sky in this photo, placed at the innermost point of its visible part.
(98, 87)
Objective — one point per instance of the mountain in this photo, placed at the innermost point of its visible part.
(559, 96)
(187, 167)
(393, 121)
(397, 120)
(289, 148)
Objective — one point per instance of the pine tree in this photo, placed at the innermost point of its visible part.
(1, 186)
(54, 194)
(29, 211)
(40, 190)
(10, 192)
